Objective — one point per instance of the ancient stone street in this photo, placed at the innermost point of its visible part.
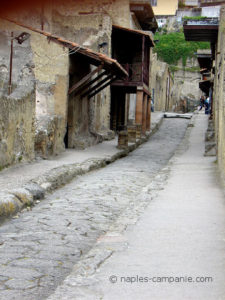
(112, 150)
(39, 248)
(174, 248)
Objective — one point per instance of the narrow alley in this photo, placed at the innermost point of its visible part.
(176, 248)
(38, 250)
(112, 150)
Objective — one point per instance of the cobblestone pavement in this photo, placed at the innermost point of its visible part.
(39, 249)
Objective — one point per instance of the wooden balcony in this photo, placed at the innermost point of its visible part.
(137, 75)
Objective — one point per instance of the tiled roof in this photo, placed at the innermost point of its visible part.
(95, 58)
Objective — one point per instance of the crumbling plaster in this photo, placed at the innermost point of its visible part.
(52, 81)
(44, 66)
(17, 114)
(159, 74)
(93, 31)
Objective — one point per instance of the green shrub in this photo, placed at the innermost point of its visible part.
(197, 18)
(172, 47)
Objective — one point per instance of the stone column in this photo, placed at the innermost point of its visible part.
(139, 107)
(148, 115)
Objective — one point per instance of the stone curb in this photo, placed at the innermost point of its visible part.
(29, 194)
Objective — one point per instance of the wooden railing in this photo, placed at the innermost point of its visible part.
(135, 73)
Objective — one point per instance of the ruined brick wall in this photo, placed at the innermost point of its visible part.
(17, 113)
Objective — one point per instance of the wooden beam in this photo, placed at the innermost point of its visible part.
(77, 85)
(102, 87)
(97, 85)
(89, 83)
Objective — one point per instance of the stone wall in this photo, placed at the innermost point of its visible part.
(89, 25)
(161, 82)
(178, 91)
(42, 66)
(119, 10)
(17, 119)
(87, 121)
(52, 81)
(219, 94)
(17, 114)
(186, 92)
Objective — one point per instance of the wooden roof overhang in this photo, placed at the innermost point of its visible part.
(109, 68)
(205, 30)
(134, 32)
(144, 13)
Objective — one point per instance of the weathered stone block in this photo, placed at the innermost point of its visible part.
(35, 190)
(49, 136)
(9, 204)
(23, 195)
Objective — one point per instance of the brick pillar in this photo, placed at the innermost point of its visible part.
(139, 107)
(148, 115)
(144, 113)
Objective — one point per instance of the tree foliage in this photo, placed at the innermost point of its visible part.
(172, 47)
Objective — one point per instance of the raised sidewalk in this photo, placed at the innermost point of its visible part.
(25, 184)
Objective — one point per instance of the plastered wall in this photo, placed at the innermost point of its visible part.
(42, 66)
(17, 113)
(89, 25)
(159, 74)
(165, 7)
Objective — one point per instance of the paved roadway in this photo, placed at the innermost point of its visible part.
(175, 249)
(39, 249)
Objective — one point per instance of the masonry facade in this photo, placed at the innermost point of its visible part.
(212, 83)
(66, 99)
(161, 85)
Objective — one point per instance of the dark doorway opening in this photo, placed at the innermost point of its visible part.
(117, 114)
